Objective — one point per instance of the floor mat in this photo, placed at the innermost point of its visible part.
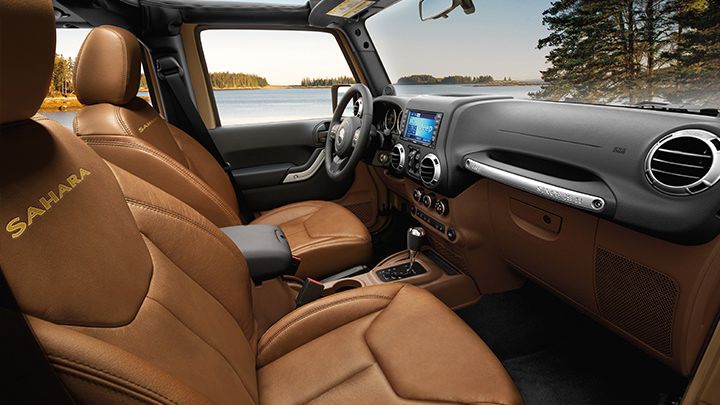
(556, 355)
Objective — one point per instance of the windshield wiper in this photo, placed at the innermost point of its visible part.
(676, 108)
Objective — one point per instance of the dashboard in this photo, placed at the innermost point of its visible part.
(616, 210)
(648, 170)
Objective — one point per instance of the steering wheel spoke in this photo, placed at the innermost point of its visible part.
(347, 137)
(338, 163)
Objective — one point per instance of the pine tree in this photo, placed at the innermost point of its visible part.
(632, 50)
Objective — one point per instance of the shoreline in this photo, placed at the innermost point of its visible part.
(71, 103)
(65, 104)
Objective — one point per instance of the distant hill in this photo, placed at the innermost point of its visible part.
(456, 79)
(326, 81)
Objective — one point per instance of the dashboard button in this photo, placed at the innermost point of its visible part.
(428, 200)
(442, 207)
(451, 234)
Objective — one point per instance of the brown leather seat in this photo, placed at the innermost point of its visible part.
(113, 275)
(126, 131)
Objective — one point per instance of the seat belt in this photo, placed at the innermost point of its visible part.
(29, 377)
(170, 71)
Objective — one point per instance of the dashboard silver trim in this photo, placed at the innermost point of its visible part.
(437, 170)
(307, 173)
(708, 180)
(401, 152)
(563, 195)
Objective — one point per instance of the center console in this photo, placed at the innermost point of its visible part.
(413, 154)
(265, 248)
(418, 265)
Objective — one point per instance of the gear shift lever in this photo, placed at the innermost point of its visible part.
(415, 238)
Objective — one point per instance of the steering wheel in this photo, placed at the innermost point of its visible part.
(348, 136)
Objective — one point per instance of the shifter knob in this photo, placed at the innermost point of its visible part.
(415, 239)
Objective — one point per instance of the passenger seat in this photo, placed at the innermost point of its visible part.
(128, 132)
(137, 298)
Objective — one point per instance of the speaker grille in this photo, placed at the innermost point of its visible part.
(637, 299)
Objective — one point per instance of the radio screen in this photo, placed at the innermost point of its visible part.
(422, 127)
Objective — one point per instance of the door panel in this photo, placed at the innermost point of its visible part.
(279, 163)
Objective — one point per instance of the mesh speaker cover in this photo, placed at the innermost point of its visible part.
(637, 299)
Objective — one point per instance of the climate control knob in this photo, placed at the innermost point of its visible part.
(418, 195)
(428, 200)
(442, 207)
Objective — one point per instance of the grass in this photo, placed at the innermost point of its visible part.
(69, 103)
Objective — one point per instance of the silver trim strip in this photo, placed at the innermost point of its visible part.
(552, 192)
(307, 173)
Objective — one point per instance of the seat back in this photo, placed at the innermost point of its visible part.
(128, 132)
(134, 296)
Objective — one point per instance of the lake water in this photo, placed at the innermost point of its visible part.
(267, 105)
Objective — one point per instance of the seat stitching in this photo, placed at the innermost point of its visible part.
(343, 381)
(334, 243)
(206, 342)
(80, 363)
(388, 381)
(175, 165)
(108, 385)
(170, 161)
(142, 204)
(319, 309)
(188, 221)
(120, 121)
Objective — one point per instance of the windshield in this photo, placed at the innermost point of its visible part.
(593, 51)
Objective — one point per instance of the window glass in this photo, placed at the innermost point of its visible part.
(607, 52)
(61, 104)
(267, 76)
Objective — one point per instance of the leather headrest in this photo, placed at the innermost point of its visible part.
(27, 51)
(108, 67)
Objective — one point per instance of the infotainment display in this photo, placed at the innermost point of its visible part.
(422, 127)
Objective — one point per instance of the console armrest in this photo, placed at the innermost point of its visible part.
(265, 248)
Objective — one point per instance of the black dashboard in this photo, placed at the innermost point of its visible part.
(649, 170)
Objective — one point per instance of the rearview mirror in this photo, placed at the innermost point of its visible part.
(434, 9)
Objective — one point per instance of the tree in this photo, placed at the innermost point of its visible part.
(61, 80)
(327, 81)
(632, 50)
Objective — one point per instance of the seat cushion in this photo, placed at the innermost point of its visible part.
(328, 237)
(386, 344)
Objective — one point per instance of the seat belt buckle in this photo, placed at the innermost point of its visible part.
(309, 292)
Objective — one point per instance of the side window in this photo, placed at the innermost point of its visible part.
(61, 104)
(262, 76)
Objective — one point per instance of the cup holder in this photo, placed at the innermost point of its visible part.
(343, 285)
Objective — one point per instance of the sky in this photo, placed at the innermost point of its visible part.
(499, 39)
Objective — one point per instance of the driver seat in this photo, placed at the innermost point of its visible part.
(129, 133)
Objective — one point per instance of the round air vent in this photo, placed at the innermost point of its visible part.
(397, 157)
(358, 108)
(684, 162)
(430, 170)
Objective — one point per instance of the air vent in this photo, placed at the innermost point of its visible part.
(358, 108)
(430, 170)
(397, 157)
(684, 162)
